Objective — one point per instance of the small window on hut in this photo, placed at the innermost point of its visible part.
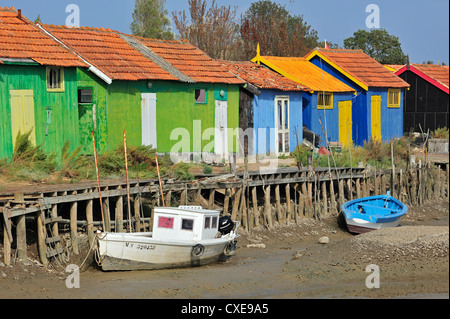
(324, 100)
(84, 96)
(394, 98)
(200, 96)
(55, 79)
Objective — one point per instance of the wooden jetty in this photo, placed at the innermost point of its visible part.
(257, 199)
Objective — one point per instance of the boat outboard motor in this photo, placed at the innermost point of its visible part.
(225, 225)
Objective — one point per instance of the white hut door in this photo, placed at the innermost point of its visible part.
(282, 125)
(221, 119)
(148, 113)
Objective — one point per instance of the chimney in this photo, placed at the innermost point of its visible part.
(19, 14)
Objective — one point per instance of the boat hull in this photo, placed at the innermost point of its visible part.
(360, 226)
(139, 252)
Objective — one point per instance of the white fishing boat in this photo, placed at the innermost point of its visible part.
(182, 237)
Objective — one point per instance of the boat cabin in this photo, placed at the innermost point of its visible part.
(185, 223)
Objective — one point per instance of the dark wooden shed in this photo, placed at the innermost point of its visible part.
(426, 103)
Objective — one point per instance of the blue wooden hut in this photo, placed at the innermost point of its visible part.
(377, 111)
(270, 109)
(327, 104)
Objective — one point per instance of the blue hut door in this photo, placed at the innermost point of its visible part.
(282, 125)
(148, 119)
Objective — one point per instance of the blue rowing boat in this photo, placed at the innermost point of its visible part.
(370, 213)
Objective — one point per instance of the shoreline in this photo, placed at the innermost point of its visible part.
(286, 262)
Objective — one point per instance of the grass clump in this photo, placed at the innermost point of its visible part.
(441, 133)
(375, 153)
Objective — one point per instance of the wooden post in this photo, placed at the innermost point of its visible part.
(21, 231)
(376, 183)
(400, 186)
(334, 209)
(106, 212)
(350, 188)
(430, 179)
(341, 192)
(420, 193)
(324, 198)
(267, 207)
(90, 221)
(288, 203)
(137, 213)
(383, 183)
(367, 188)
(212, 193)
(236, 200)
(255, 206)
(168, 199)
(301, 205)
(296, 210)
(54, 216)
(119, 214)
(358, 188)
(6, 238)
(448, 180)
(183, 197)
(444, 181)
(437, 184)
(413, 187)
(42, 247)
(73, 225)
(243, 210)
(226, 202)
(310, 200)
(278, 204)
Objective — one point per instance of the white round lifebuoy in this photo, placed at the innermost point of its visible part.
(229, 249)
(198, 250)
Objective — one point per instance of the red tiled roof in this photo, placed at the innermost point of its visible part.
(359, 67)
(21, 39)
(191, 61)
(261, 77)
(435, 74)
(108, 52)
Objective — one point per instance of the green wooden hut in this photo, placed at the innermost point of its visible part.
(38, 86)
(167, 94)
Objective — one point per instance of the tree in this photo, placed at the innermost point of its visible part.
(378, 44)
(276, 30)
(213, 30)
(150, 20)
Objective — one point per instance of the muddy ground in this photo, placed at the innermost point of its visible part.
(285, 262)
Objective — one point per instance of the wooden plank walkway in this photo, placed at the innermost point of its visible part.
(256, 199)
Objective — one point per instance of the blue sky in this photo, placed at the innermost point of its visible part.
(422, 26)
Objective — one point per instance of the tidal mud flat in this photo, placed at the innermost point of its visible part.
(312, 259)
